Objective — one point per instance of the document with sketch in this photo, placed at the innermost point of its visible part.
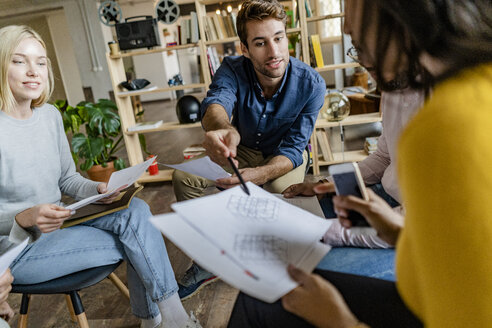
(247, 241)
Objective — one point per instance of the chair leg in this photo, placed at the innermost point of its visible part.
(79, 309)
(70, 308)
(23, 311)
(119, 284)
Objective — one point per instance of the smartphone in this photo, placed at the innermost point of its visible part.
(348, 181)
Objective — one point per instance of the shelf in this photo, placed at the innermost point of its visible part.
(348, 156)
(122, 94)
(336, 66)
(131, 53)
(318, 18)
(293, 30)
(168, 126)
(349, 120)
(224, 40)
(163, 175)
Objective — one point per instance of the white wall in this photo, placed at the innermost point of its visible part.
(64, 52)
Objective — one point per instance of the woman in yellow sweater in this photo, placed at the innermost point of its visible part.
(444, 258)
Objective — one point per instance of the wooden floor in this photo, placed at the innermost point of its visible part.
(104, 304)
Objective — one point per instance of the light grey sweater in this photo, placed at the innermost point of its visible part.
(36, 167)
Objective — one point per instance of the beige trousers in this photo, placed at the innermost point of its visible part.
(189, 186)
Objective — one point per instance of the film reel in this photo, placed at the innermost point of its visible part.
(110, 13)
(167, 11)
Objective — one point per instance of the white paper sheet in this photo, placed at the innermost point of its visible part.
(129, 175)
(260, 234)
(310, 204)
(9, 257)
(203, 167)
(118, 179)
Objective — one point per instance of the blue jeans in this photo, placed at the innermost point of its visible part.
(375, 263)
(124, 235)
(327, 204)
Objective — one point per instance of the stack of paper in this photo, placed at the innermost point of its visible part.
(247, 241)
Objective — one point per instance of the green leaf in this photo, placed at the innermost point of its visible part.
(119, 164)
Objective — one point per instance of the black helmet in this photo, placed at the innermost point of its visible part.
(188, 109)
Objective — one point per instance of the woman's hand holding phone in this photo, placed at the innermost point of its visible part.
(376, 211)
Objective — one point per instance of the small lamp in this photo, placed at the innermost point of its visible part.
(336, 107)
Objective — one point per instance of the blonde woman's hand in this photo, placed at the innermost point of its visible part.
(47, 217)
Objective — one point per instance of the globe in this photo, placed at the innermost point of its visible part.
(336, 107)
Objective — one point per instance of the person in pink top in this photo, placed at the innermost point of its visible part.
(378, 171)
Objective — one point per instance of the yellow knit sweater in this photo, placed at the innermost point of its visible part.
(444, 254)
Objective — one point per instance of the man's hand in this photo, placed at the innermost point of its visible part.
(47, 217)
(377, 212)
(255, 175)
(317, 301)
(308, 189)
(103, 188)
(220, 144)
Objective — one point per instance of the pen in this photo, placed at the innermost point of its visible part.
(243, 184)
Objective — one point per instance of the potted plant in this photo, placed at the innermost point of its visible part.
(96, 136)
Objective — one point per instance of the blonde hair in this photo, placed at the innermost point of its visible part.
(11, 36)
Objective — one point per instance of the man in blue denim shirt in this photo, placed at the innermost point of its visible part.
(273, 101)
(260, 110)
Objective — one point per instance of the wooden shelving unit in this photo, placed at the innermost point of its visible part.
(123, 101)
(321, 124)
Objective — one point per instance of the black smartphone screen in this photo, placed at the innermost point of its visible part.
(346, 184)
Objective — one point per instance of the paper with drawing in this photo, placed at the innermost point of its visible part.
(203, 167)
(260, 232)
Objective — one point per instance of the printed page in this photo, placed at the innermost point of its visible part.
(9, 256)
(213, 259)
(128, 176)
(310, 204)
(118, 180)
(203, 167)
(261, 232)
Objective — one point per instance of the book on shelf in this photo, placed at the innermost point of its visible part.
(311, 53)
(318, 55)
(309, 12)
(324, 145)
(218, 27)
(230, 30)
(210, 28)
(194, 33)
(140, 126)
(93, 211)
(371, 145)
(214, 59)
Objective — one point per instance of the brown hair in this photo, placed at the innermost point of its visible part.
(257, 10)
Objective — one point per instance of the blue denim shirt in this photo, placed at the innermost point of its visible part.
(281, 125)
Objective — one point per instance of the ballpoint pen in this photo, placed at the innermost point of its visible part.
(243, 184)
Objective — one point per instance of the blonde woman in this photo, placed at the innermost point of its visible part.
(36, 168)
